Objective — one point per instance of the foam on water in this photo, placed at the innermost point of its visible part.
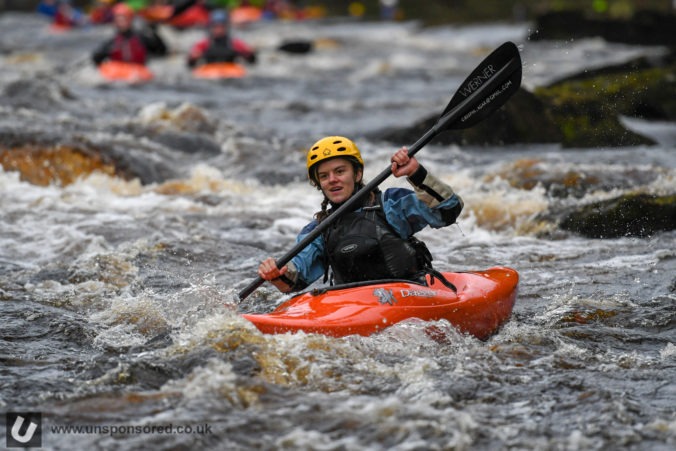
(669, 351)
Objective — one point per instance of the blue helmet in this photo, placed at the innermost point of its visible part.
(218, 16)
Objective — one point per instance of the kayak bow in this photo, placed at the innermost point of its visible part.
(127, 72)
(215, 71)
(483, 302)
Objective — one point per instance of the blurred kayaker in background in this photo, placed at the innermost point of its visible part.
(219, 46)
(47, 7)
(62, 12)
(128, 45)
(375, 241)
(388, 9)
(101, 12)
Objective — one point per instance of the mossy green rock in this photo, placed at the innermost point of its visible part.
(581, 111)
(638, 215)
(586, 110)
(552, 115)
(522, 119)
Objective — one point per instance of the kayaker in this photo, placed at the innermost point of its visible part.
(48, 8)
(376, 240)
(67, 16)
(128, 45)
(388, 9)
(101, 12)
(219, 46)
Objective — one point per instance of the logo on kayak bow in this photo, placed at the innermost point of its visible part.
(418, 293)
(385, 296)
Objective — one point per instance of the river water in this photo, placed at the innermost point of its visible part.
(116, 295)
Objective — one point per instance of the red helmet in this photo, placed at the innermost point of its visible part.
(122, 9)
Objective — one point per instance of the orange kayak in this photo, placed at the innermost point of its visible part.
(121, 71)
(244, 14)
(483, 302)
(157, 13)
(56, 28)
(219, 70)
(195, 16)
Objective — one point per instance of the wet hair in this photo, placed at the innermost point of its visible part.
(324, 212)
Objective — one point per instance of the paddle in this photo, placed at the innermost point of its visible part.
(487, 88)
(296, 47)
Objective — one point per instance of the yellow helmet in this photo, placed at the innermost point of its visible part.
(330, 147)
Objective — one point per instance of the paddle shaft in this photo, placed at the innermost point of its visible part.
(442, 124)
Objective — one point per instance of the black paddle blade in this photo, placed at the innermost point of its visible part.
(299, 47)
(486, 89)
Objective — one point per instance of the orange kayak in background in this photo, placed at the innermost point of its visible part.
(56, 28)
(195, 16)
(128, 72)
(157, 13)
(219, 70)
(244, 14)
(483, 302)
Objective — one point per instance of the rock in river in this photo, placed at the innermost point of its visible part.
(637, 214)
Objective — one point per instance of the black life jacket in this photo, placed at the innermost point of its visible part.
(362, 245)
(220, 50)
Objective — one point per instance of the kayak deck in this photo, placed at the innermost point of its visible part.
(219, 70)
(123, 71)
(484, 300)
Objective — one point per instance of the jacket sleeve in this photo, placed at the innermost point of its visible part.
(436, 194)
(153, 42)
(197, 51)
(102, 52)
(244, 51)
(432, 203)
(307, 266)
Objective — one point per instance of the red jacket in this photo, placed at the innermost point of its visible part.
(199, 49)
(128, 49)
